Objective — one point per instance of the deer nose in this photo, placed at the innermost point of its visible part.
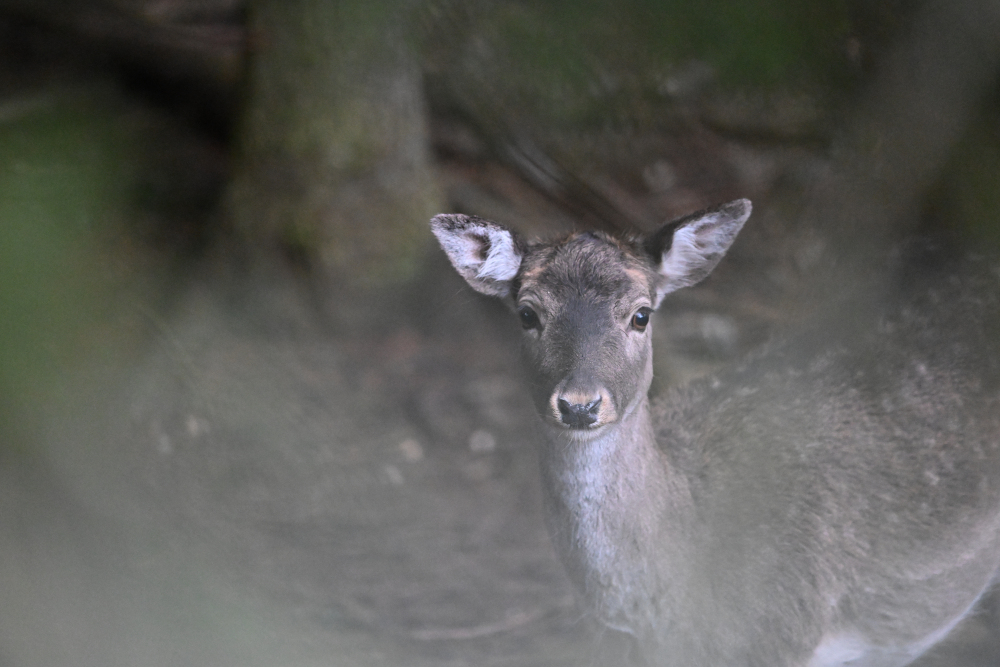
(579, 415)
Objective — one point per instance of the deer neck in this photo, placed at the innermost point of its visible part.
(610, 497)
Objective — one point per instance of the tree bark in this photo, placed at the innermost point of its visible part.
(333, 160)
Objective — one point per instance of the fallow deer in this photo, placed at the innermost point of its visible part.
(811, 507)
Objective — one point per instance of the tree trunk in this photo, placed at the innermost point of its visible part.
(334, 159)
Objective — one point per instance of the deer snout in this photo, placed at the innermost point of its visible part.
(578, 415)
(581, 409)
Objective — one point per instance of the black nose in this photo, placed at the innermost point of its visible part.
(579, 415)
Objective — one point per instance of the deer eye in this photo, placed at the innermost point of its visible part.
(641, 319)
(528, 317)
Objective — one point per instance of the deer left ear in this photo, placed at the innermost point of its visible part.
(687, 249)
(486, 254)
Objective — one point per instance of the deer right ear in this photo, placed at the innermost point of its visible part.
(686, 250)
(486, 254)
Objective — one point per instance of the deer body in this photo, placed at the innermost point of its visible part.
(810, 508)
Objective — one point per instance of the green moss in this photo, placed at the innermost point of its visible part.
(968, 196)
(593, 60)
(335, 165)
(63, 176)
(753, 42)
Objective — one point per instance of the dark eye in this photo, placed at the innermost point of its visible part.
(641, 319)
(529, 318)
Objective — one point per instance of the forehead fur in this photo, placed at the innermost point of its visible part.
(588, 262)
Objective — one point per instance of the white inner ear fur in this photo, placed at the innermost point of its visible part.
(482, 252)
(503, 260)
(685, 257)
(464, 247)
(695, 250)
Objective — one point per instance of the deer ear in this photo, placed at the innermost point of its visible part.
(486, 254)
(688, 249)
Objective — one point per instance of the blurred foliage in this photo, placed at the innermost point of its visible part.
(752, 42)
(64, 176)
(967, 198)
(585, 62)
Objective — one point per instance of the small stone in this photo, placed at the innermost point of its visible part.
(394, 475)
(659, 176)
(478, 470)
(720, 333)
(482, 441)
(411, 450)
(196, 426)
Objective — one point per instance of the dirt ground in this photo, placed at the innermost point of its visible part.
(241, 481)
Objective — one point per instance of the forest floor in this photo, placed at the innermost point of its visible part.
(243, 483)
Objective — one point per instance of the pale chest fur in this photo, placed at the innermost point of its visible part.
(598, 500)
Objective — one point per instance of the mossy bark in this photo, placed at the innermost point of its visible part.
(334, 156)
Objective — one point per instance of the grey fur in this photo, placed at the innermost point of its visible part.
(818, 506)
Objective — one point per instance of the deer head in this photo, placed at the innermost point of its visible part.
(585, 300)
